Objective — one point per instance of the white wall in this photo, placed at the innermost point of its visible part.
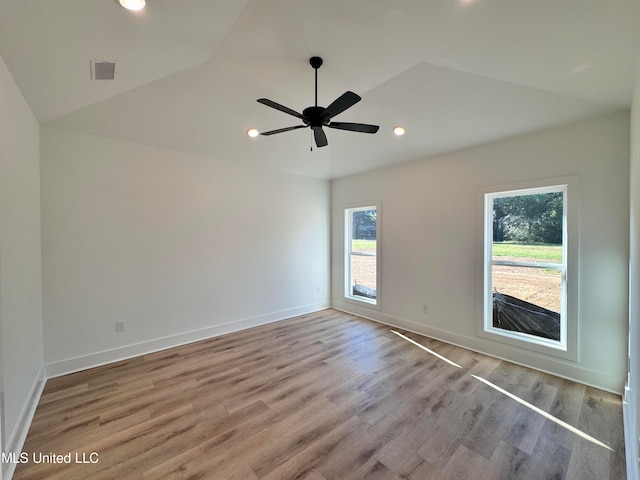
(430, 240)
(20, 264)
(632, 404)
(179, 247)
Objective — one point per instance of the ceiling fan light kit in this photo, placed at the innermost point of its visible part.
(316, 117)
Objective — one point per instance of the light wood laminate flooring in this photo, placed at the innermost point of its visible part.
(319, 397)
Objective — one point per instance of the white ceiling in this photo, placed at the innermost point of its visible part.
(455, 73)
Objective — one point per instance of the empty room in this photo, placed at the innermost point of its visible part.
(319, 240)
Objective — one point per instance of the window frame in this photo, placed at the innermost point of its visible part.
(348, 230)
(567, 346)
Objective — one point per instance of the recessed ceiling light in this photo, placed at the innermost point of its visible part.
(252, 132)
(133, 4)
(399, 130)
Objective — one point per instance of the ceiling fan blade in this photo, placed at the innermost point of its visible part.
(277, 106)
(340, 104)
(280, 130)
(354, 127)
(321, 138)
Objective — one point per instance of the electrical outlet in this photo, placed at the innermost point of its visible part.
(120, 327)
(425, 308)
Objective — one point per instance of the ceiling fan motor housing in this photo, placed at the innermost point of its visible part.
(315, 116)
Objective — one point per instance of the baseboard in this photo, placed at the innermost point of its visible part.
(16, 440)
(71, 365)
(631, 447)
(551, 366)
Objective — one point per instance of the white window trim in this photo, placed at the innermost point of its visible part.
(347, 295)
(567, 347)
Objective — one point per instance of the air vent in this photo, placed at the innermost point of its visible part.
(103, 70)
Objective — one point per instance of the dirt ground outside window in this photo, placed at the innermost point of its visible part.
(538, 286)
(363, 270)
(534, 285)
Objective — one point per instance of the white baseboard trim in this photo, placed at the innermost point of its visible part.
(559, 368)
(76, 364)
(16, 440)
(631, 446)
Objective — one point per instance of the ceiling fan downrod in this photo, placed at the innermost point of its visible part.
(316, 63)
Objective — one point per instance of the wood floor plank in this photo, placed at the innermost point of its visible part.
(528, 424)
(311, 459)
(448, 429)
(549, 461)
(400, 453)
(374, 470)
(464, 464)
(507, 463)
(323, 396)
(588, 462)
(220, 431)
(426, 471)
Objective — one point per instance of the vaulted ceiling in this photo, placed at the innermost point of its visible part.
(455, 73)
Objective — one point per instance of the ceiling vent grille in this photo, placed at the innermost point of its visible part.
(103, 70)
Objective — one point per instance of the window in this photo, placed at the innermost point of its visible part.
(525, 265)
(361, 254)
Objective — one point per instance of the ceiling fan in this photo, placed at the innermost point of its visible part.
(317, 117)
